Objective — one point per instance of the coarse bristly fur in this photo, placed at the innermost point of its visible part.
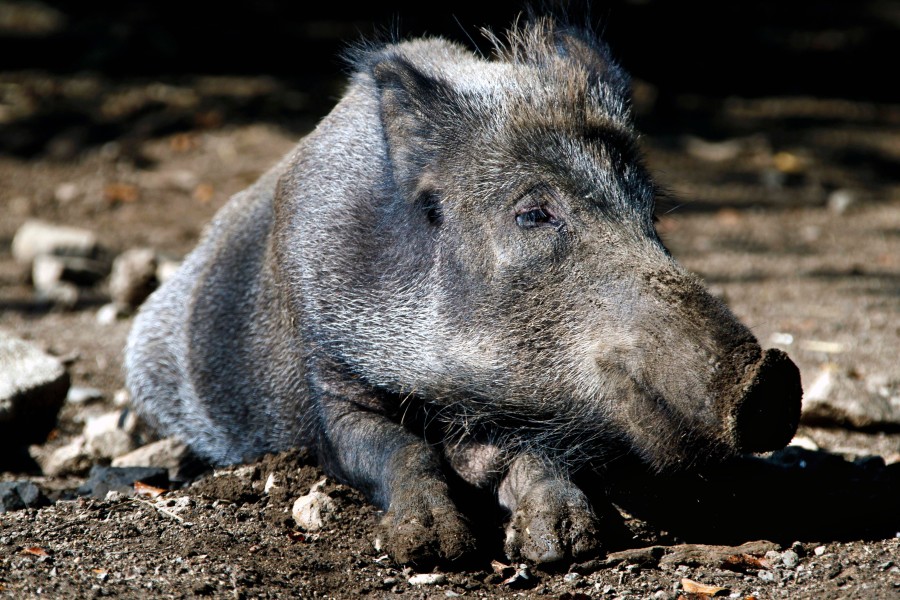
(458, 270)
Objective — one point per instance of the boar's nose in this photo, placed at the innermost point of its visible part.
(766, 410)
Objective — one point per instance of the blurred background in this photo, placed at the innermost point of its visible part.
(689, 58)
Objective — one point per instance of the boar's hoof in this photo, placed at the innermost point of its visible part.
(552, 522)
(424, 535)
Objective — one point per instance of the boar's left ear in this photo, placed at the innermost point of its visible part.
(418, 114)
(605, 77)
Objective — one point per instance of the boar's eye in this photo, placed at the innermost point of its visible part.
(430, 203)
(536, 217)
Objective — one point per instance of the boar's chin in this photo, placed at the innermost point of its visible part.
(678, 450)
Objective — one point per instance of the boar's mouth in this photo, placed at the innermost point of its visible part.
(763, 410)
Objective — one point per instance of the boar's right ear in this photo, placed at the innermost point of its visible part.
(417, 110)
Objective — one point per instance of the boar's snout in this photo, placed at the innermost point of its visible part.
(763, 409)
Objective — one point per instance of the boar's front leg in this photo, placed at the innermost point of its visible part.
(398, 471)
(551, 518)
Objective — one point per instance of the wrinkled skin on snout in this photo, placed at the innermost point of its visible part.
(459, 271)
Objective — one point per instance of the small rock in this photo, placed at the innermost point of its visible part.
(33, 387)
(102, 480)
(66, 192)
(766, 575)
(840, 200)
(819, 551)
(314, 510)
(15, 495)
(35, 238)
(807, 443)
(713, 151)
(83, 395)
(811, 233)
(114, 496)
(180, 180)
(71, 459)
(110, 435)
(428, 579)
(48, 271)
(782, 339)
(820, 388)
(169, 453)
(773, 557)
(823, 346)
(166, 269)
(571, 577)
(63, 295)
(121, 398)
(790, 559)
(110, 313)
(185, 181)
(133, 277)
(772, 178)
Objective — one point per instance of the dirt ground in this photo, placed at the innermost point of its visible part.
(788, 207)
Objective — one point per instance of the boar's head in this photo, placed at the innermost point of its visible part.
(549, 312)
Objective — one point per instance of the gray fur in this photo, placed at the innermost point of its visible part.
(377, 298)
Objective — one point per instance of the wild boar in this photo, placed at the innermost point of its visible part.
(458, 270)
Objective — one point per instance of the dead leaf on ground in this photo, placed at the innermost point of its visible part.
(744, 562)
(142, 489)
(296, 536)
(204, 192)
(35, 551)
(705, 596)
(183, 142)
(728, 217)
(499, 567)
(121, 192)
(695, 587)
